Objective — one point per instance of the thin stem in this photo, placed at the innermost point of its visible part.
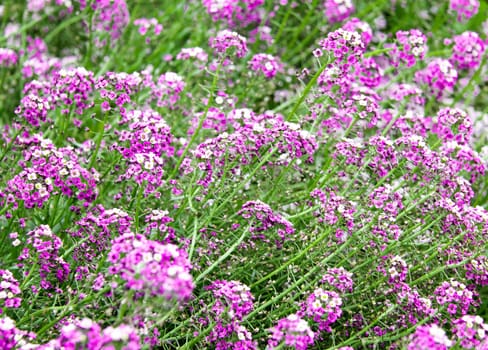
(200, 123)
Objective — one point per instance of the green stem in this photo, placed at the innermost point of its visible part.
(10, 144)
(200, 123)
(224, 256)
(68, 309)
(63, 25)
(292, 260)
(306, 91)
(98, 142)
(140, 192)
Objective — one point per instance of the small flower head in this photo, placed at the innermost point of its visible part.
(292, 331)
(266, 64)
(468, 50)
(429, 337)
(229, 43)
(464, 9)
(338, 10)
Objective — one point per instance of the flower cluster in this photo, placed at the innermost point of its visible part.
(338, 10)
(265, 219)
(347, 47)
(229, 43)
(291, 331)
(362, 27)
(453, 124)
(157, 221)
(266, 64)
(95, 231)
(144, 24)
(456, 295)
(145, 147)
(468, 50)
(439, 75)
(45, 245)
(386, 199)
(49, 171)
(233, 299)
(168, 88)
(413, 46)
(87, 334)
(11, 337)
(464, 9)
(395, 268)
(477, 270)
(9, 290)
(151, 267)
(231, 336)
(234, 12)
(110, 17)
(323, 307)
(471, 332)
(257, 134)
(333, 208)
(8, 57)
(192, 52)
(429, 337)
(338, 278)
(34, 108)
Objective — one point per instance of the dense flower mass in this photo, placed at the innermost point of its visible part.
(229, 43)
(429, 337)
(338, 10)
(87, 334)
(323, 307)
(464, 9)
(233, 298)
(8, 57)
(9, 290)
(266, 64)
(293, 332)
(151, 267)
(243, 175)
(468, 50)
(412, 47)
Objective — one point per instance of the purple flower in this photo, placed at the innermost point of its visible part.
(151, 267)
(468, 50)
(439, 76)
(9, 288)
(234, 299)
(338, 10)
(8, 57)
(429, 337)
(471, 332)
(292, 331)
(465, 9)
(229, 43)
(268, 65)
(323, 307)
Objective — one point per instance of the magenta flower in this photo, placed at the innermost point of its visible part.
(468, 50)
(465, 9)
(471, 332)
(9, 290)
(292, 331)
(429, 337)
(338, 10)
(229, 43)
(151, 267)
(323, 308)
(8, 57)
(266, 64)
(233, 299)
